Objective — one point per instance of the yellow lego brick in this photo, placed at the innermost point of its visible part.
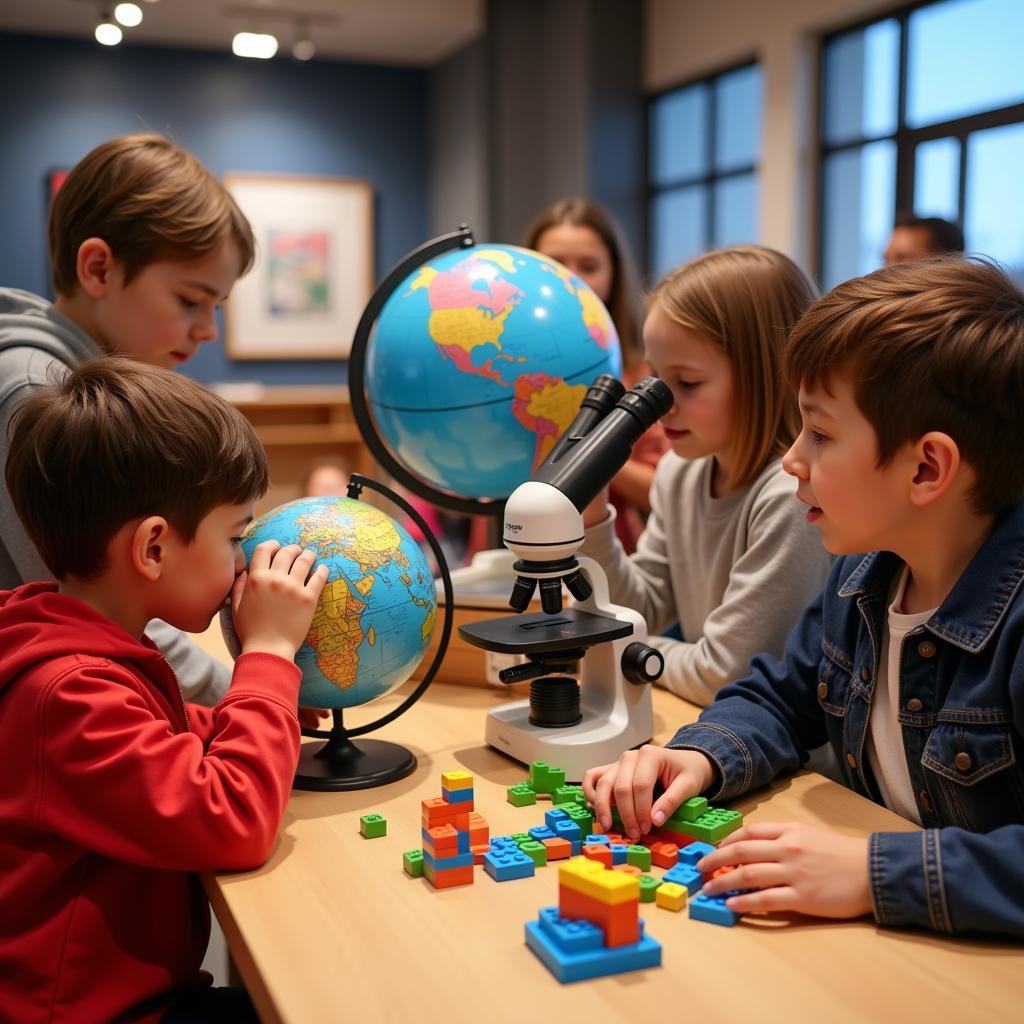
(609, 887)
(670, 895)
(456, 780)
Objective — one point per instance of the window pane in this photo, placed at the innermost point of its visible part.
(862, 83)
(994, 222)
(677, 227)
(964, 57)
(735, 210)
(858, 210)
(679, 135)
(937, 179)
(738, 119)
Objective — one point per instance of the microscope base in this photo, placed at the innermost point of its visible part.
(596, 740)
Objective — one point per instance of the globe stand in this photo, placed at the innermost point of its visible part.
(340, 764)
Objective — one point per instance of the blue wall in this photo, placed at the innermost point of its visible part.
(62, 97)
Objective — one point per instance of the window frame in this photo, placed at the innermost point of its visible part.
(906, 139)
(709, 179)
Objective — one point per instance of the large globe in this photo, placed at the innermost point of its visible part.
(479, 362)
(376, 615)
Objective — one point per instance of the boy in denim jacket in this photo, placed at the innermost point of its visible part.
(911, 660)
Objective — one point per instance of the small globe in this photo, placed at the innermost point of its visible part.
(479, 362)
(376, 615)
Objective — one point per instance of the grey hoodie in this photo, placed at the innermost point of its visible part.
(36, 344)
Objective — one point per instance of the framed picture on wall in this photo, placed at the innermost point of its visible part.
(313, 273)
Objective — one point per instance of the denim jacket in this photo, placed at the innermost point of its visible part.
(961, 694)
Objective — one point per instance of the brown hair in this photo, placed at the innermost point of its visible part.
(148, 200)
(115, 440)
(745, 299)
(624, 300)
(933, 345)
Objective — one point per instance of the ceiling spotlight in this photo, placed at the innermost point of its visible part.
(261, 45)
(107, 32)
(128, 15)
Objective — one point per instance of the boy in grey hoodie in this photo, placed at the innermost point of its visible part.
(145, 244)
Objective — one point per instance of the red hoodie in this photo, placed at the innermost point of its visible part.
(109, 805)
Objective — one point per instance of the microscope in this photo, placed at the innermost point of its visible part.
(574, 724)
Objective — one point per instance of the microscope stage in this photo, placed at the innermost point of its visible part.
(541, 633)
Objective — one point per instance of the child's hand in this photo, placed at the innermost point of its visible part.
(794, 867)
(312, 718)
(273, 603)
(631, 781)
(597, 511)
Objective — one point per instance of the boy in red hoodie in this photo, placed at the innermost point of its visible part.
(135, 483)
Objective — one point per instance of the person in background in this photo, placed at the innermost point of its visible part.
(584, 237)
(727, 551)
(145, 245)
(326, 477)
(917, 238)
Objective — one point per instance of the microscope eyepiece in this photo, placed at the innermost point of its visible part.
(551, 595)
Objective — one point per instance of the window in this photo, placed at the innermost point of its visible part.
(705, 142)
(923, 111)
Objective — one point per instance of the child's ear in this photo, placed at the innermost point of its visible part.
(938, 463)
(94, 265)
(149, 547)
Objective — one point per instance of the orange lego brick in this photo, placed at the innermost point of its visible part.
(628, 869)
(444, 838)
(599, 852)
(559, 849)
(620, 922)
(478, 850)
(664, 855)
(448, 879)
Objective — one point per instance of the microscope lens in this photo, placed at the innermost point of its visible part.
(578, 586)
(522, 593)
(551, 595)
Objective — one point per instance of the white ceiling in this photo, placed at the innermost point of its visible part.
(411, 32)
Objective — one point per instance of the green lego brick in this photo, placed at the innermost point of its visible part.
(648, 887)
(546, 778)
(537, 852)
(581, 798)
(412, 861)
(521, 796)
(639, 856)
(711, 827)
(582, 817)
(522, 837)
(565, 795)
(688, 810)
(373, 826)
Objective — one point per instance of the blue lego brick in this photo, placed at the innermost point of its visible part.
(685, 875)
(503, 866)
(568, 830)
(457, 796)
(461, 860)
(573, 935)
(694, 852)
(550, 817)
(503, 843)
(620, 851)
(597, 839)
(569, 965)
(542, 832)
(713, 910)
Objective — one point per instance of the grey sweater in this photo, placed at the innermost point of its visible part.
(736, 572)
(36, 344)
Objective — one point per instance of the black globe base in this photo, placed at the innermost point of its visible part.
(340, 764)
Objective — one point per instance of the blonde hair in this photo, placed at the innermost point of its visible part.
(745, 299)
(624, 300)
(148, 199)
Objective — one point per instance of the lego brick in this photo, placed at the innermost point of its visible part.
(447, 879)
(620, 922)
(713, 910)
(521, 796)
(545, 778)
(552, 817)
(412, 863)
(506, 865)
(504, 843)
(566, 795)
(693, 852)
(541, 832)
(479, 830)
(558, 849)
(638, 856)
(664, 855)
(459, 860)
(569, 966)
(648, 887)
(537, 852)
(456, 780)
(620, 851)
(478, 851)
(570, 831)
(670, 896)
(607, 886)
(443, 839)
(523, 837)
(688, 810)
(373, 826)
(460, 798)
(711, 827)
(597, 838)
(630, 869)
(572, 936)
(599, 853)
(685, 875)
(582, 817)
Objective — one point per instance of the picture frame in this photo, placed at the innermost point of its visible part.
(313, 272)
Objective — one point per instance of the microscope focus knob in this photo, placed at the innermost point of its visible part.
(641, 663)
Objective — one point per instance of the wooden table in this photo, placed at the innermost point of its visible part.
(331, 929)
